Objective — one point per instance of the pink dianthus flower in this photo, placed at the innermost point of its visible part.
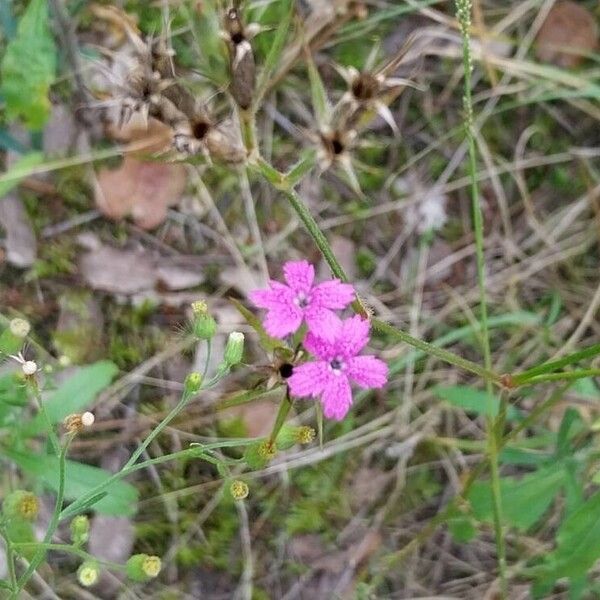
(337, 364)
(288, 305)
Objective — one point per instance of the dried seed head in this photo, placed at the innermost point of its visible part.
(78, 422)
(365, 86)
(239, 490)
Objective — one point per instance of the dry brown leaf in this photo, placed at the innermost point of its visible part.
(567, 35)
(141, 189)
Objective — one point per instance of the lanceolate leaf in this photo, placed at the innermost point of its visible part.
(120, 499)
(29, 66)
(75, 395)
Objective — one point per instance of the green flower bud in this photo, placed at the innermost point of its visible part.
(204, 326)
(21, 504)
(239, 489)
(234, 349)
(252, 457)
(142, 567)
(19, 531)
(80, 530)
(193, 382)
(266, 450)
(305, 434)
(88, 573)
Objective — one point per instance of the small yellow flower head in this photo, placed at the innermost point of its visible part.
(19, 328)
(266, 450)
(21, 504)
(239, 490)
(76, 422)
(234, 350)
(142, 567)
(80, 529)
(88, 573)
(193, 382)
(305, 434)
(199, 308)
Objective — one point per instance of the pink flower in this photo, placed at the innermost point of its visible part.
(329, 377)
(288, 305)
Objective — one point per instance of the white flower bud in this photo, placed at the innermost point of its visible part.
(234, 348)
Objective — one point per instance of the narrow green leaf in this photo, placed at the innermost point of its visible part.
(28, 67)
(245, 397)
(74, 395)
(274, 53)
(80, 479)
(19, 170)
(320, 102)
(524, 500)
(472, 400)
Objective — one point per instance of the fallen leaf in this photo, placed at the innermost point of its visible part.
(141, 189)
(567, 35)
(133, 270)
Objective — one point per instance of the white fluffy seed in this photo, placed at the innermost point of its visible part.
(20, 327)
(29, 367)
(87, 419)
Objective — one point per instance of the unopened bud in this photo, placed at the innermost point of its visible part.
(88, 573)
(193, 382)
(142, 567)
(239, 490)
(21, 504)
(305, 434)
(80, 530)
(234, 349)
(203, 325)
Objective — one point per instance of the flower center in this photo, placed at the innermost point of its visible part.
(301, 300)
(337, 365)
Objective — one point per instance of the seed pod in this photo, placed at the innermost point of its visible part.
(243, 68)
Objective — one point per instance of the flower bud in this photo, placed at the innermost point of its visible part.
(80, 530)
(305, 434)
(203, 324)
(239, 489)
(88, 573)
(142, 567)
(286, 437)
(234, 349)
(21, 504)
(193, 382)
(266, 450)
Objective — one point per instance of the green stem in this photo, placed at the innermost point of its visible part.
(564, 376)
(53, 525)
(10, 559)
(49, 426)
(463, 9)
(75, 550)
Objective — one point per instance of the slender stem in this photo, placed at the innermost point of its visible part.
(52, 526)
(71, 550)
(463, 10)
(10, 559)
(564, 376)
(49, 426)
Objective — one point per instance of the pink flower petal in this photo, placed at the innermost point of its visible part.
(319, 347)
(277, 295)
(353, 336)
(282, 320)
(367, 371)
(299, 275)
(332, 294)
(337, 397)
(322, 322)
(309, 379)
